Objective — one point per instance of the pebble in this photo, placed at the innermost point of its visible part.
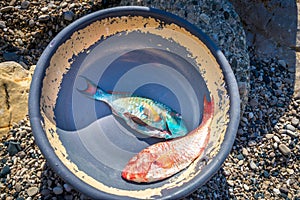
(246, 187)
(276, 139)
(64, 4)
(68, 15)
(45, 192)
(253, 103)
(282, 63)
(290, 127)
(276, 191)
(31, 23)
(25, 4)
(10, 56)
(245, 152)
(295, 121)
(289, 132)
(250, 115)
(284, 190)
(269, 136)
(253, 165)
(44, 18)
(58, 190)
(2, 24)
(205, 18)
(6, 9)
(252, 143)
(290, 171)
(67, 187)
(18, 187)
(13, 148)
(44, 9)
(240, 157)
(284, 149)
(5, 171)
(32, 191)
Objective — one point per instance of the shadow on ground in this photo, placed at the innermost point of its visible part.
(271, 29)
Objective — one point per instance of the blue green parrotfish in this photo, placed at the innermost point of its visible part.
(146, 116)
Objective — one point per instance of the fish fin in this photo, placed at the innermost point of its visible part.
(167, 129)
(135, 119)
(91, 90)
(164, 161)
(119, 93)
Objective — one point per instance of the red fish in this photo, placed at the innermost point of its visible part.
(164, 159)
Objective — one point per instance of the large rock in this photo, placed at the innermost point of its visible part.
(271, 27)
(14, 89)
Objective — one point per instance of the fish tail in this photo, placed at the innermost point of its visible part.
(92, 90)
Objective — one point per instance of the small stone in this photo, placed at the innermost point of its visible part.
(245, 152)
(31, 23)
(205, 18)
(292, 134)
(13, 148)
(252, 143)
(64, 4)
(284, 190)
(44, 9)
(253, 165)
(51, 5)
(18, 187)
(266, 174)
(295, 121)
(253, 103)
(21, 154)
(290, 171)
(44, 18)
(10, 56)
(282, 63)
(25, 4)
(68, 15)
(269, 136)
(5, 170)
(19, 41)
(250, 115)
(276, 139)
(45, 192)
(272, 154)
(6, 9)
(58, 190)
(240, 157)
(246, 187)
(290, 127)
(276, 191)
(67, 187)
(32, 191)
(284, 149)
(2, 24)
(72, 5)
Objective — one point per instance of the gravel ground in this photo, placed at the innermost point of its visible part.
(263, 164)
